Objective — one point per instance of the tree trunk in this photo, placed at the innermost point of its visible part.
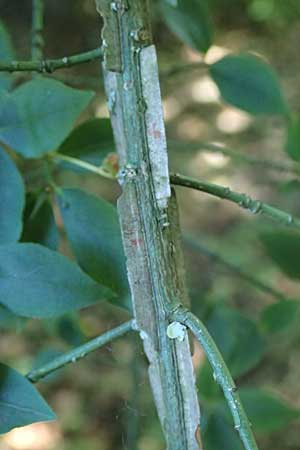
(148, 214)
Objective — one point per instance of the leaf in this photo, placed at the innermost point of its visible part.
(190, 21)
(283, 247)
(220, 435)
(20, 402)
(93, 230)
(37, 116)
(39, 222)
(280, 316)
(9, 320)
(292, 147)
(11, 200)
(6, 54)
(238, 339)
(247, 82)
(91, 141)
(266, 412)
(38, 282)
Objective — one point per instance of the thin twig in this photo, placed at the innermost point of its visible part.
(79, 352)
(59, 157)
(211, 254)
(242, 200)
(221, 373)
(37, 40)
(50, 65)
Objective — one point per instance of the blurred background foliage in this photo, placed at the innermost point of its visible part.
(104, 402)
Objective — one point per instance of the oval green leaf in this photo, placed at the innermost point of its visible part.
(283, 247)
(93, 230)
(11, 200)
(248, 83)
(37, 116)
(38, 282)
(190, 21)
(91, 141)
(20, 402)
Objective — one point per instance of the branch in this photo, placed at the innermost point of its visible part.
(221, 373)
(242, 200)
(37, 41)
(50, 65)
(79, 352)
(243, 158)
(190, 240)
(59, 157)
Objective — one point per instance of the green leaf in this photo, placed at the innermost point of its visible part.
(38, 282)
(219, 435)
(37, 116)
(39, 222)
(190, 21)
(6, 54)
(266, 412)
(93, 230)
(292, 147)
(9, 320)
(283, 247)
(280, 316)
(238, 339)
(247, 82)
(91, 141)
(11, 200)
(20, 402)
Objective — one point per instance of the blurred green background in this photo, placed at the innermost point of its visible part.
(104, 402)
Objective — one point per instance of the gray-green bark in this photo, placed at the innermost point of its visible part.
(148, 214)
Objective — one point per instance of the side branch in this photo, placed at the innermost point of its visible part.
(50, 65)
(242, 200)
(79, 352)
(221, 374)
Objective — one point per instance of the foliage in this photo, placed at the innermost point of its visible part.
(38, 124)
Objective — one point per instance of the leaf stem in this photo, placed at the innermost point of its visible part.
(214, 256)
(50, 65)
(221, 373)
(79, 352)
(37, 41)
(59, 157)
(242, 200)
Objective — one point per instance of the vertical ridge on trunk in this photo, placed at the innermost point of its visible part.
(148, 214)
